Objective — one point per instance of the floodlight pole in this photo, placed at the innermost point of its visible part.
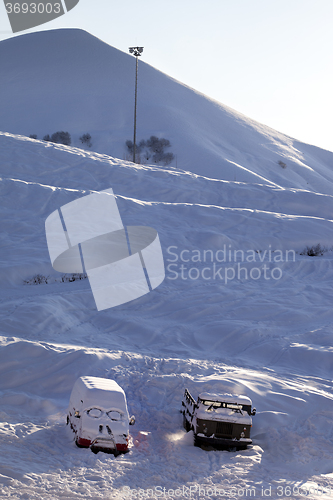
(136, 51)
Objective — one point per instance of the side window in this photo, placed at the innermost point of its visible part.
(247, 408)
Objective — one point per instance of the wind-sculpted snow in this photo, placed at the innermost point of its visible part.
(269, 337)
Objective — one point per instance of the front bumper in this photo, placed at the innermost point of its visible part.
(200, 439)
(102, 444)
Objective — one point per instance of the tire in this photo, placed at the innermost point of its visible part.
(79, 445)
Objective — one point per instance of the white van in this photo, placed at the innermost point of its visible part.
(98, 415)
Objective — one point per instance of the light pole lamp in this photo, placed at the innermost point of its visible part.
(136, 51)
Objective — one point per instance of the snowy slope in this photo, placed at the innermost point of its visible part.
(69, 80)
(270, 339)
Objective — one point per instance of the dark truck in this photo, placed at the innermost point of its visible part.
(218, 420)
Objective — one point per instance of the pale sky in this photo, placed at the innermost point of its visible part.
(268, 59)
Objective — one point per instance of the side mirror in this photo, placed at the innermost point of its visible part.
(132, 420)
(77, 414)
(253, 412)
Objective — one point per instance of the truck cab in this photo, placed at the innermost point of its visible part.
(218, 420)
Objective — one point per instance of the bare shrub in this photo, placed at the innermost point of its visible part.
(314, 251)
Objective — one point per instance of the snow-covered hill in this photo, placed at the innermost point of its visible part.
(269, 337)
(241, 309)
(69, 80)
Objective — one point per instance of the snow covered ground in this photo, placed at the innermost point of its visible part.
(242, 309)
(267, 338)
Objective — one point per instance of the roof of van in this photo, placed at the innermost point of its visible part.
(104, 384)
(101, 392)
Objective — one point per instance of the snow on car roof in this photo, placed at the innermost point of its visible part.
(104, 384)
(226, 398)
(102, 392)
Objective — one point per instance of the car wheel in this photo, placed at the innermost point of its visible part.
(77, 443)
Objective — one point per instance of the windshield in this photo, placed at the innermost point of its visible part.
(112, 414)
(94, 412)
(221, 404)
(213, 404)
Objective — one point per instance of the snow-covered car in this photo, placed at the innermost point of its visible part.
(218, 420)
(98, 415)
